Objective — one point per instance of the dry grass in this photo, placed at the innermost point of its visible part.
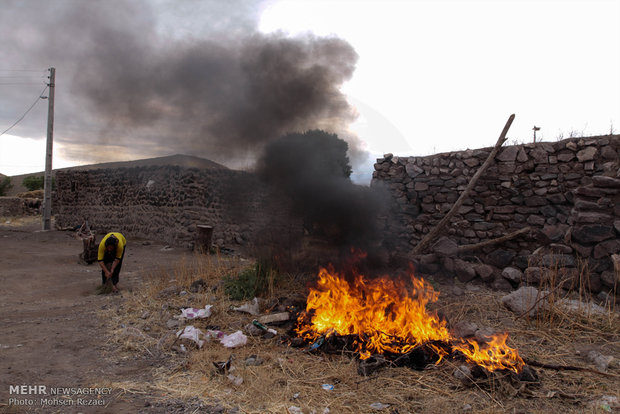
(104, 289)
(292, 377)
(18, 221)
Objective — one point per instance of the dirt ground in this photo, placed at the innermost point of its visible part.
(50, 333)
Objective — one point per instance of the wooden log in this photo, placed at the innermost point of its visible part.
(567, 368)
(203, 238)
(469, 247)
(459, 202)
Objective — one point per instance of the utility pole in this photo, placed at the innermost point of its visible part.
(535, 129)
(47, 186)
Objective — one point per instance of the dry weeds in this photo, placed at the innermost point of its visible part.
(19, 221)
(293, 377)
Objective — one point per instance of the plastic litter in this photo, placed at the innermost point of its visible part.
(223, 367)
(327, 387)
(234, 340)
(172, 323)
(599, 360)
(379, 406)
(316, 344)
(251, 307)
(607, 403)
(263, 327)
(213, 334)
(189, 332)
(254, 360)
(235, 379)
(193, 313)
(293, 409)
(253, 330)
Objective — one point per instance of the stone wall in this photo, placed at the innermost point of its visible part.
(18, 206)
(567, 191)
(168, 202)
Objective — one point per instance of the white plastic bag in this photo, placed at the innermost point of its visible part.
(193, 313)
(253, 307)
(234, 340)
(189, 332)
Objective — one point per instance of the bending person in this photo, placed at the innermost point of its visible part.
(110, 257)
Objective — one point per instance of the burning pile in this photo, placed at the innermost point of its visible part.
(388, 316)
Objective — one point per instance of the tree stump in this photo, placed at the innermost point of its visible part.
(203, 238)
(90, 247)
(89, 255)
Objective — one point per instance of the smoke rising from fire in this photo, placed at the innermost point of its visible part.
(313, 169)
(221, 90)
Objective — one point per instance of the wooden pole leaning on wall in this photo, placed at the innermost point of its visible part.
(431, 235)
(490, 242)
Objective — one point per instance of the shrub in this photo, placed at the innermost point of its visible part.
(33, 183)
(5, 185)
(251, 282)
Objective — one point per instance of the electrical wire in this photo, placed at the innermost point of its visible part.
(21, 76)
(20, 83)
(25, 113)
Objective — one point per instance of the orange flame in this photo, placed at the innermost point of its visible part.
(388, 315)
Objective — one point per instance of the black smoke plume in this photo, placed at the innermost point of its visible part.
(313, 169)
(127, 82)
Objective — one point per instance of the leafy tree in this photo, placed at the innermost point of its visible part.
(33, 183)
(5, 185)
(298, 159)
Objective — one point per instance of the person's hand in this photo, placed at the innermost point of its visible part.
(108, 274)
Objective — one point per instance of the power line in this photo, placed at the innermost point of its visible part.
(25, 113)
(12, 79)
(20, 76)
(21, 71)
(20, 165)
(20, 83)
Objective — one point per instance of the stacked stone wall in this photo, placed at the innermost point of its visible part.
(18, 206)
(566, 191)
(168, 202)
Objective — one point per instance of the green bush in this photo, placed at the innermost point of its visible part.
(5, 185)
(241, 286)
(250, 282)
(33, 183)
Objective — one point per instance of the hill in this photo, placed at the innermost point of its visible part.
(180, 160)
